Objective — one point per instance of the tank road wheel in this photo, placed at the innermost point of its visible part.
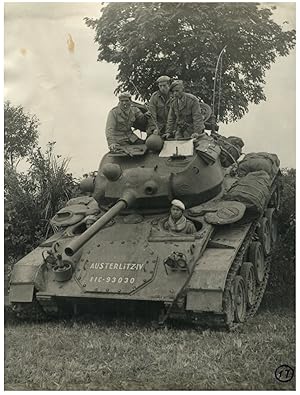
(273, 221)
(264, 233)
(248, 274)
(256, 256)
(239, 299)
(235, 302)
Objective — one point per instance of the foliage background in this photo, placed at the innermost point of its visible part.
(31, 198)
(20, 133)
(184, 40)
(78, 78)
(281, 287)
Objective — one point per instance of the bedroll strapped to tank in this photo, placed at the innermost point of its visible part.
(253, 190)
(257, 161)
(231, 148)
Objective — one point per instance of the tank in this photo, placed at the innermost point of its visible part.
(111, 250)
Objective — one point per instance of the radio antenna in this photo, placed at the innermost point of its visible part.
(219, 62)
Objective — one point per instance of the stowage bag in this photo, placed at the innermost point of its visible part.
(257, 161)
(253, 190)
(231, 149)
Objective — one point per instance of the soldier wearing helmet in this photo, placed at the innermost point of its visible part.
(177, 222)
(184, 118)
(159, 104)
(120, 121)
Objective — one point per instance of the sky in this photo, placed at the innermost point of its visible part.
(51, 69)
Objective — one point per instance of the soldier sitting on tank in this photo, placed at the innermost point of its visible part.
(177, 222)
(184, 118)
(120, 121)
(159, 104)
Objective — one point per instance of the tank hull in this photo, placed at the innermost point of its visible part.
(115, 270)
(122, 268)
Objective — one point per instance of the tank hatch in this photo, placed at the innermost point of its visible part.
(119, 268)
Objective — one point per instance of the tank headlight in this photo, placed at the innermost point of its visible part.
(112, 171)
(176, 261)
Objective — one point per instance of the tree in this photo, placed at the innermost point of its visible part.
(20, 133)
(183, 40)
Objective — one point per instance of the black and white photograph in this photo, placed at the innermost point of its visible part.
(149, 196)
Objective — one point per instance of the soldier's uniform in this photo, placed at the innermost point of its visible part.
(182, 224)
(159, 106)
(185, 116)
(119, 123)
(188, 227)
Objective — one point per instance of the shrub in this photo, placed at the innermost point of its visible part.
(282, 278)
(32, 199)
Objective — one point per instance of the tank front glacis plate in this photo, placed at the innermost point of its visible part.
(119, 267)
(122, 262)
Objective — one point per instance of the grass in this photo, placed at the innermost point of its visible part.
(85, 354)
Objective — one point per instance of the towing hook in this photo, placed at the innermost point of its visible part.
(50, 259)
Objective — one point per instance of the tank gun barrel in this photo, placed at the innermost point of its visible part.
(76, 244)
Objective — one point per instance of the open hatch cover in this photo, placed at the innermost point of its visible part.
(184, 148)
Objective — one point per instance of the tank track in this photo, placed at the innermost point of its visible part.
(233, 272)
(220, 321)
